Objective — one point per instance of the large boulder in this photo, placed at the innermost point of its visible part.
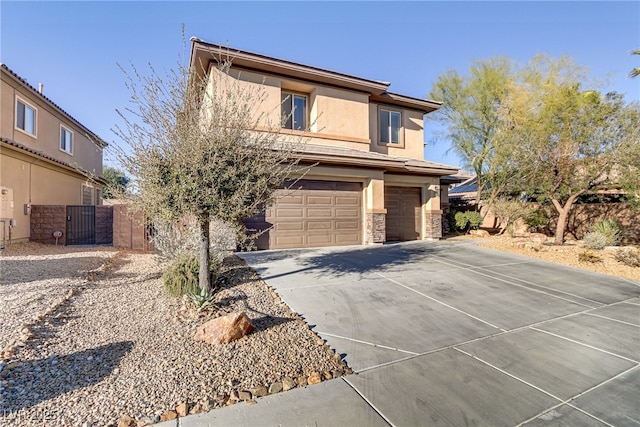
(225, 329)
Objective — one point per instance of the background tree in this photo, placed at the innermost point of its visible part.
(193, 146)
(567, 141)
(117, 182)
(636, 71)
(471, 114)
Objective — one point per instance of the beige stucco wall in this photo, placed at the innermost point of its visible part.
(412, 145)
(85, 153)
(37, 182)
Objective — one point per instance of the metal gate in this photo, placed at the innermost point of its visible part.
(81, 225)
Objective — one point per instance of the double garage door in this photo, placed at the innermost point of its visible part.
(317, 213)
(329, 213)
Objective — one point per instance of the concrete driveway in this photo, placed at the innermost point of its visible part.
(446, 333)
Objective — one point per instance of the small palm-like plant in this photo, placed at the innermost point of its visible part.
(611, 230)
(202, 299)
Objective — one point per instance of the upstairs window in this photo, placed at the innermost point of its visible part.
(66, 140)
(390, 126)
(25, 117)
(294, 111)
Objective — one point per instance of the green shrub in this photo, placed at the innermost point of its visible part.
(181, 277)
(587, 256)
(628, 256)
(611, 230)
(467, 220)
(594, 240)
(536, 219)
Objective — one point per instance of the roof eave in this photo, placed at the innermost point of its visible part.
(206, 52)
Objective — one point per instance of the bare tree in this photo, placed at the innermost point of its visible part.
(199, 146)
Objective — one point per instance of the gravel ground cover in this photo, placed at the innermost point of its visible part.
(118, 349)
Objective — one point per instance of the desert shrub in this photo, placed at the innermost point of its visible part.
(181, 277)
(509, 211)
(468, 220)
(611, 230)
(587, 256)
(628, 256)
(175, 239)
(536, 219)
(594, 240)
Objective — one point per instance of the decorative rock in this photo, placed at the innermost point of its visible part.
(225, 329)
(288, 383)
(314, 378)
(245, 395)
(275, 388)
(126, 421)
(234, 396)
(327, 375)
(168, 415)
(259, 391)
(197, 408)
(182, 409)
(479, 233)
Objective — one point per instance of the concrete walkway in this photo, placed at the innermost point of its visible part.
(446, 333)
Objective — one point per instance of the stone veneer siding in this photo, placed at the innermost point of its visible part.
(45, 219)
(433, 224)
(376, 228)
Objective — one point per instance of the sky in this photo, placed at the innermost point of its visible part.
(74, 48)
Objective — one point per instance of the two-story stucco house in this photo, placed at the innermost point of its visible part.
(370, 182)
(46, 156)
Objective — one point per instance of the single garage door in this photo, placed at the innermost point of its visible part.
(319, 213)
(404, 213)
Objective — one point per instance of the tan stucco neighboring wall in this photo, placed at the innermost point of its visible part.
(37, 182)
(85, 153)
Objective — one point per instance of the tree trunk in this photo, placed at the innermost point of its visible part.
(563, 216)
(204, 275)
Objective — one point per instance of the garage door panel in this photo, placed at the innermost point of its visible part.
(289, 212)
(347, 225)
(289, 226)
(285, 241)
(347, 213)
(320, 200)
(319, 225)
(349, 201)
(348, 239)
(319, 239)
(319, 212)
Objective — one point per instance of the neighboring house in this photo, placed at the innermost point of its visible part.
(46, 157)
(371, 183)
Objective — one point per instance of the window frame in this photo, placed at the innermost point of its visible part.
(91, 193)
(390, 143)
(292, 95)
(35, 117)
(63, 128)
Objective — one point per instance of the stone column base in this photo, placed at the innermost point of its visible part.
(376, 227)
(433, 225)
